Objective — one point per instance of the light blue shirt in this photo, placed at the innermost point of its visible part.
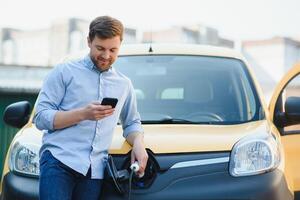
(75, 84)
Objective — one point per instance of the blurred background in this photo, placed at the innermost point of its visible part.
(36, 35)
(41, 33)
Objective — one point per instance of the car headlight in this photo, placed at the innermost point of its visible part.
(252, 156)
(24, 159)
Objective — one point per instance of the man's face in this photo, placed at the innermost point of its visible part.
(104, 52)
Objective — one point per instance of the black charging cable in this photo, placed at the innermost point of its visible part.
(134, 169)
(130, 183)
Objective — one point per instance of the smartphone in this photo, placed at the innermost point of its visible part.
(109, 101)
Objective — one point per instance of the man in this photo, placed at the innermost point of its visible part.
(77, 128)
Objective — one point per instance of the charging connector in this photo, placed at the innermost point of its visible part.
(135, 167)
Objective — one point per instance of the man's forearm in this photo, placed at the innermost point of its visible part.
(134, 137)
(64, 119)
(93, 111)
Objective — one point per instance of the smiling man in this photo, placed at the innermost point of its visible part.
(77, 128)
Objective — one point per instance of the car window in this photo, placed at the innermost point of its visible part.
(194, 88)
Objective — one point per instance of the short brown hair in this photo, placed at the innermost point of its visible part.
(105, 27)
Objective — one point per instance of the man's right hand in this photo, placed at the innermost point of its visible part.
(93, 111)
(96, 111)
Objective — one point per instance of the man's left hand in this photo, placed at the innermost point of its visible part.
(139, 153)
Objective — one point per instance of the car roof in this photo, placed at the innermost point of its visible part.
(178, 49)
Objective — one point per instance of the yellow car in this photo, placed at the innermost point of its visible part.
(208, 131)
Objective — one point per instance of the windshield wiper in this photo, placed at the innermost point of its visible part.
(173, 121)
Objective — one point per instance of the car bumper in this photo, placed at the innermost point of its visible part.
(19, 187)
(269, 186)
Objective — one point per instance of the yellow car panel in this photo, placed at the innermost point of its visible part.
(291, 143)
(177, 138)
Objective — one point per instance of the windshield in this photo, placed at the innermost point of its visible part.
(199, 89)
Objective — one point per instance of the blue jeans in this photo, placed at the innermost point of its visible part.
(60, 182)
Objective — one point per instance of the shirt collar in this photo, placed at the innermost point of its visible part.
(90, 64)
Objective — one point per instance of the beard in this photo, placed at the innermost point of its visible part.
(101, 63)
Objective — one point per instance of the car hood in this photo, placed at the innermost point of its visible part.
(175, 138)
(189, 138)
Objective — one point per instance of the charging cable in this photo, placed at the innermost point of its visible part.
(134, 169)
(130, 182)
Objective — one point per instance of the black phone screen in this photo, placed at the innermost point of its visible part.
(109, 101)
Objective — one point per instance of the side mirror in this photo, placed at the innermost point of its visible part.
(292, 110)
(17, 114)
(291, 116)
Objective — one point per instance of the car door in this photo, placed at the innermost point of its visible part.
(287, 93)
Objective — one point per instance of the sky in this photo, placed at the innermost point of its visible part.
(235, 19)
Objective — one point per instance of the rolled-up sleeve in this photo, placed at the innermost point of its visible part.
(130, 117)
(49, 99)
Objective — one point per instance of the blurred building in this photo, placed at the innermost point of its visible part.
(271, 58)
(197, 34)
(20, 79)
(48, 46)
(276, 55)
